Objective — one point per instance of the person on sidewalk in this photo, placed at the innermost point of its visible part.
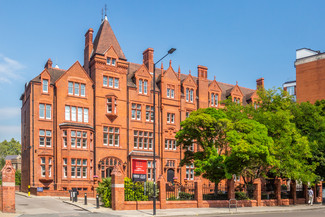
(311, 196)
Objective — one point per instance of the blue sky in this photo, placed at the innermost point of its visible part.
(237, 40)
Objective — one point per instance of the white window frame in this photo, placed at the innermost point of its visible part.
(45, 85)
(82, 90)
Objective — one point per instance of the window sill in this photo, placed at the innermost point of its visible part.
(111, 88)
(44, 119)
(80, 97)
(134, 120)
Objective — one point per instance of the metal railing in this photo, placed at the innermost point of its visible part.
(180, 192)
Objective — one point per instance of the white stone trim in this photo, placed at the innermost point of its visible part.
(310, 59)
(8, 184)
(117, 185)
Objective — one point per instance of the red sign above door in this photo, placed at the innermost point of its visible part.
(139, 166)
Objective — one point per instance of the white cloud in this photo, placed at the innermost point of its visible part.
(8, 132)
(9, 113)
(9, 69)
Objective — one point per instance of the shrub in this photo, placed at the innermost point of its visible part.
(149, 190)
(172, 198)
(241, 196)
(105, 192)
(185, 196)
(134, 191)
(18, 177)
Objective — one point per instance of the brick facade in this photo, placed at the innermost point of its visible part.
(77, 124)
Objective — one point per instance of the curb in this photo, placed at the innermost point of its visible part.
(23, 194)
(77, 205)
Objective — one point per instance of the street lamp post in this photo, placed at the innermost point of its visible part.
(154, 128)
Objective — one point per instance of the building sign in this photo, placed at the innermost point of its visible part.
(39, 189)
(139, 170)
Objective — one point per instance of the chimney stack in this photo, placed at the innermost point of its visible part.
(48, 64)
(202, 72)
(260, 83)
(148, 59)
(88, 48)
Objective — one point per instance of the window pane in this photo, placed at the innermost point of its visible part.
(48, 111)
(48, 133)
(117, 139)
(145, 87)
(109, 61)
(42, 132)
(79, 114)
(41, 111)
(48, 141)
(85, 115)
(110, 83)
(73, 113)
(73, 133)
(113, 62)
(41, 141)
(76, 89)
(140, 86)
(67, 113)
(45, 85)
(83, 90)
(116, 83)
(105, 81)
(70, 88)
(105, 129)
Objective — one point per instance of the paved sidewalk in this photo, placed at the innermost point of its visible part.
(91, 207)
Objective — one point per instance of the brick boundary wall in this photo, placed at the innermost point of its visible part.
(118, 202)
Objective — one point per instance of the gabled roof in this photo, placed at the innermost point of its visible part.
(105, 38)
(55, 74)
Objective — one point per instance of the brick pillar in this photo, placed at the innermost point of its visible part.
(258, 192)
(198, 192)
(117, 188)
(306, 193)
(320, 192)
(8, 187)
(231, 188)
(293, 191)
(278, 191)
(161, 183)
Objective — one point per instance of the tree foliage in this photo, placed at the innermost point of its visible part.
(278, 138)
(11, 147)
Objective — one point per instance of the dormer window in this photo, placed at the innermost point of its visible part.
(45, 85)
(171, 92)
(236, 100)
(191, 95)
(214, 99)
(187, 94)
(111, 61)
(143, 86)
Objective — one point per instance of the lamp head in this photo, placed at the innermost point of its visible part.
(171, 50)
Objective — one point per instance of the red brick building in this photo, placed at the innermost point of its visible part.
(78, 123)
(310, 75)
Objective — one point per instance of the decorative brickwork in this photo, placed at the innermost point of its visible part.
(8, 188)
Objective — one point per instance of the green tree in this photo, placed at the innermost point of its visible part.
(11, 147)
(291, 150)
(310, 122)
(207, 128)
(251, 150)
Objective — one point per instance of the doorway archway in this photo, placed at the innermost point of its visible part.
(170, 175)
(106, 166)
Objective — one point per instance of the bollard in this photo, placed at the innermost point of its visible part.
(97, 201)
(85, 198)
(28, 190)
(76, 197)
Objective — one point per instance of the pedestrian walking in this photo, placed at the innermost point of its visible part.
(311, 196)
